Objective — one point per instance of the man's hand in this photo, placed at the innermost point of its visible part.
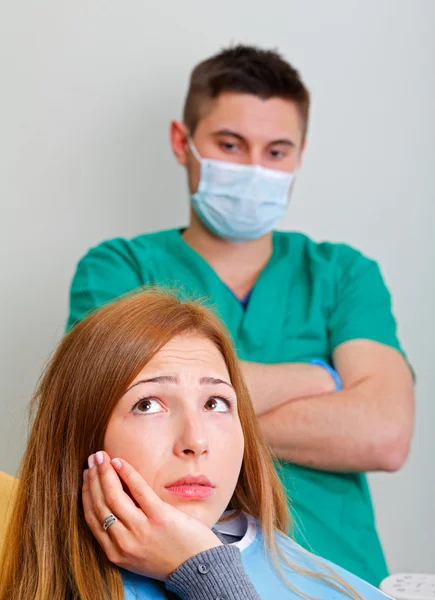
(365, 427)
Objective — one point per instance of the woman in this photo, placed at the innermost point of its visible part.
(143, 435)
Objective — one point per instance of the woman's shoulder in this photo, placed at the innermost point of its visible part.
(306, 573)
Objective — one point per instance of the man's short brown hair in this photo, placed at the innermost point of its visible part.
(244, 70)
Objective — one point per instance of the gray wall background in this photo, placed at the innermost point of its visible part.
(87, 91)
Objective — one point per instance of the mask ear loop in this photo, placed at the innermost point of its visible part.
(193, 148)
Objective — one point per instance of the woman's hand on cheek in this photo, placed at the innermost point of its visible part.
(153, 539)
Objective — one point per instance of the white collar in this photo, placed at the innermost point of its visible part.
(243, 526)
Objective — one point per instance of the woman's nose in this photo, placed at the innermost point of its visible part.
(192, 439)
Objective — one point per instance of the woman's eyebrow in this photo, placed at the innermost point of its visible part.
(175, 379)
(158, 379)
(213, 381)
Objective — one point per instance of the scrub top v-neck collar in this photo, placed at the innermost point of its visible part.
(251, 324)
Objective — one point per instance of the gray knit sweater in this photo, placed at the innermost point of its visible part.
(216, 574)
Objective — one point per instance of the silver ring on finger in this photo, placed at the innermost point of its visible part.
(109, 521)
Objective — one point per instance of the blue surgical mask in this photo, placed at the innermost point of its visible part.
(240, 202)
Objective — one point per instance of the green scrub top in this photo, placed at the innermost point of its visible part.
(309, 299)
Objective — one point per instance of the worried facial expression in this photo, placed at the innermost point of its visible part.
(178, 425)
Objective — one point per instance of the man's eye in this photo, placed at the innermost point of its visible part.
(147, 406)
(277, 154)
(228, 146)
(217, 404)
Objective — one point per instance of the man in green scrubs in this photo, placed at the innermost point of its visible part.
(312, 322)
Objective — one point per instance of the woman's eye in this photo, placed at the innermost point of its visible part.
(147, 406)
(217, 404)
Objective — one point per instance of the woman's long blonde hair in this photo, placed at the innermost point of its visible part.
(49, 551)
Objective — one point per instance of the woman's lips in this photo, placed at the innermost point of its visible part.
(191, 487)
(194, 492)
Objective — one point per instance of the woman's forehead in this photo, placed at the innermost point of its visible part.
(194, 353)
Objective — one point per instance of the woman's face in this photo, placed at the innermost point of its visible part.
(178, 425)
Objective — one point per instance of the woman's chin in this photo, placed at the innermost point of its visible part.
(198, 510)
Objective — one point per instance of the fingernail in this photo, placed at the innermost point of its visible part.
(117, 463)
(91, 461)
(85, 475)
(100, 457)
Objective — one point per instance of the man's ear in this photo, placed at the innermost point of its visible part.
(302, 153)
(178, 135)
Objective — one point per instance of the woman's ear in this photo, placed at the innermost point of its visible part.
(178, 134)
